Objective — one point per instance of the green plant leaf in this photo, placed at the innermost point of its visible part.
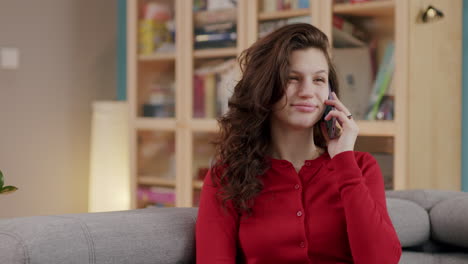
(8, 189)
(1, 179)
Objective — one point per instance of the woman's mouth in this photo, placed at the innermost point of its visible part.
(305, 108)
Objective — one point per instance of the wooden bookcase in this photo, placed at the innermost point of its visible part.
(424, 137)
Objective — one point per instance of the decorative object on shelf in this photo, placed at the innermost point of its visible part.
(386, 108)
(432, 14)
(156, 28)
(5, 189)
(354, 69)
(160, 102)
(109, 180)
(382, 81)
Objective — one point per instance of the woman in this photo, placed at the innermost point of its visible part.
(281, 190)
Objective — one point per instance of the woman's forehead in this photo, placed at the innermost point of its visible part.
(310, 60)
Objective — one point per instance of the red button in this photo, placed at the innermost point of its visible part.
(302, 244)
(299, 213)
(307, 163)
(297, 186)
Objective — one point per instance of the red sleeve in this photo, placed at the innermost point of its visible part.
(216, 228)
(371, 234)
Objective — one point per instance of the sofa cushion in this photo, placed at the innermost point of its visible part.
(410, 220)
(449, 220)
(425, 198)
(408, 257)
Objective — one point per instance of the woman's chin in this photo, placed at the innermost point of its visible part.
(301, 124)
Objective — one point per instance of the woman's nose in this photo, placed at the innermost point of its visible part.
(307, 88)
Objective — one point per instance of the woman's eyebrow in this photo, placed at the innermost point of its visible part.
(319, 71)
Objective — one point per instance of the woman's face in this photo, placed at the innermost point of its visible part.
(307, 89)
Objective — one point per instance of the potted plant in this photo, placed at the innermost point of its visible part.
(5, 189)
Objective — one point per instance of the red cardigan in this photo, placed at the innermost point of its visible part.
(332, 211)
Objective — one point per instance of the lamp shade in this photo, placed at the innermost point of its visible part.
(109, 181)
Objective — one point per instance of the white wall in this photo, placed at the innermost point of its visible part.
(67, 60)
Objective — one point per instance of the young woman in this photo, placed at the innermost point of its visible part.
(283, 191)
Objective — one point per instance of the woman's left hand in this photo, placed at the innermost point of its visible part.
(350, 130)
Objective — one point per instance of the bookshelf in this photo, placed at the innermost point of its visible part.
(372, 9)
(423, 140)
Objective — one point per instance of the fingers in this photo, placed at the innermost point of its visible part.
(323, 127)
(341, 117)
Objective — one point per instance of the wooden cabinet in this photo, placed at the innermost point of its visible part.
(424, 138)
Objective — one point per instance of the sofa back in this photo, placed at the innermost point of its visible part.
(153, 235)
(425, 221)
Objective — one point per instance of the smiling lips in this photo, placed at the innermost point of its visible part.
(304, 107)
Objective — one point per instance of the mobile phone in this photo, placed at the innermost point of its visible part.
(332, 130)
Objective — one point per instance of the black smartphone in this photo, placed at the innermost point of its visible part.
(332, 130)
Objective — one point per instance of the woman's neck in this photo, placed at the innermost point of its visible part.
(294, 145)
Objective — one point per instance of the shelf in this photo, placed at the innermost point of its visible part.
(154, 123)
(155, 181)
(197, 184)
(204, 125)
(158, 57)
(373, 8)
(366, 128)
(283, 14)
(376, 128)
(215, 53)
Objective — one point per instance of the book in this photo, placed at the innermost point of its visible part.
(156, 196)
(220, 4)
(215, 35)
(210, 95)
(269, 26)
(221, 27)
(279, 5)
(215, 40)
(382, 81)
(201, 5)
(213, 86)
(198, 97)
(209, 17)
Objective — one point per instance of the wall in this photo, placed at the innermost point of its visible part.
(465, 99)
(67, 60)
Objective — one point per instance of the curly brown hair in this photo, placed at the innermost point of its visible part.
(244, 139)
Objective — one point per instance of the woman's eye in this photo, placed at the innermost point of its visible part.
(292, 78)
(319, 80)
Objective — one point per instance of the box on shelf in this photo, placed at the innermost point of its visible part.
(354, 70)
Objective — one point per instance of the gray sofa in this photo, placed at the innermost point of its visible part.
(432, 227)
